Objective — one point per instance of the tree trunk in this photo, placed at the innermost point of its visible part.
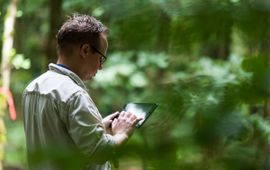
(8, 42)
(55, 17)
(7, 51)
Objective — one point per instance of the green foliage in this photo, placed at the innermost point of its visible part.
(16, 148)
(204, 121)
(19, 62)
(127, 80)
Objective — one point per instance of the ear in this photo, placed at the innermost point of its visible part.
(84, 50)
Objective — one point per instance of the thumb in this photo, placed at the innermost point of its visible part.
(107, 123)
(113, 115)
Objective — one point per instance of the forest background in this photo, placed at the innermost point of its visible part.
(204, 62)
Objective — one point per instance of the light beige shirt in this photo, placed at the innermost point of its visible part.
(63, 126)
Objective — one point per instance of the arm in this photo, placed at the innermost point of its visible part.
(84, 125)
(87, 130)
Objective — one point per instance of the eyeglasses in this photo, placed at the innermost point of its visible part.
(103, 58)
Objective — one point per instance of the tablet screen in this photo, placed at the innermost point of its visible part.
(141, 110)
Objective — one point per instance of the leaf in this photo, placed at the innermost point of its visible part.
(20, 62)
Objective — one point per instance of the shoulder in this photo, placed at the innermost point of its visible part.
(55, 85)
(81, 102)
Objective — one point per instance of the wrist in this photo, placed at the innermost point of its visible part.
(120, 138)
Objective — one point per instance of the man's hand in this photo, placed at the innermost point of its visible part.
(123, 126)
(107, 121)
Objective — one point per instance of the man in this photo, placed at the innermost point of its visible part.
(64, 129)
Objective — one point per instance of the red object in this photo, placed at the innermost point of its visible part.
(11, 106)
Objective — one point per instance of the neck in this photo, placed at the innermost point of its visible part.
(71, 65)
(62, 65)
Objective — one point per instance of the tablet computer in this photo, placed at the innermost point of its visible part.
(143, 110)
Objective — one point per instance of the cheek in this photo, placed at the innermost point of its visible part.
(94, 66)
(97, 63)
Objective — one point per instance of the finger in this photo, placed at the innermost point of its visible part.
(133, 117)
(129, 114)
(122, 114)
(138, 119)
(107, 123)
(114, 122)
(134, 122)
(114, 115)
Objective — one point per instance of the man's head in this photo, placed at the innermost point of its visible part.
(82, 45)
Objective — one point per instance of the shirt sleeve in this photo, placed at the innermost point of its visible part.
(86, 129)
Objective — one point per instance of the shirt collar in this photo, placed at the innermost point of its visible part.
(69, 73)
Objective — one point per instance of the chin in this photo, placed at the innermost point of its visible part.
(89, 77)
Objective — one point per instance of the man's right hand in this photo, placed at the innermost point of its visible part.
(123, 126)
